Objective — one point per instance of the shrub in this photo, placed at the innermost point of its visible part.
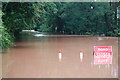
(5, 38)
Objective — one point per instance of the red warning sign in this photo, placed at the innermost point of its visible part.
(103, 54)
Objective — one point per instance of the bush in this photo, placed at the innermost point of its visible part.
(5, 38)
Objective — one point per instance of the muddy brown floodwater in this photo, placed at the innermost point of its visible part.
(36, 56)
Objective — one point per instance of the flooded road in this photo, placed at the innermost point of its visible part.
(36, 56)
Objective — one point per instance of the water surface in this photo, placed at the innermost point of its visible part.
(37, 57)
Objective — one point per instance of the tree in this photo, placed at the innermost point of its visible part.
(52, 16)
(86, 17)
(19, 15)
(5, 38)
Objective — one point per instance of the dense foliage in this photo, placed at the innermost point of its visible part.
(70, 18)
(5, 37)
(18, 16)
(62, 17)
(81, 18)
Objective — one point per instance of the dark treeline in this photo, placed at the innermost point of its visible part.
(82, 18)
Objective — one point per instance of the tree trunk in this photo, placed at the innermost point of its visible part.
(107, 23)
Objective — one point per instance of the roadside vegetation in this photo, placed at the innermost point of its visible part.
(84, 18)
(5, 38)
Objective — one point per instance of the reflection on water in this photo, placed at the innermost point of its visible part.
(37, 57)
(39, 35)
